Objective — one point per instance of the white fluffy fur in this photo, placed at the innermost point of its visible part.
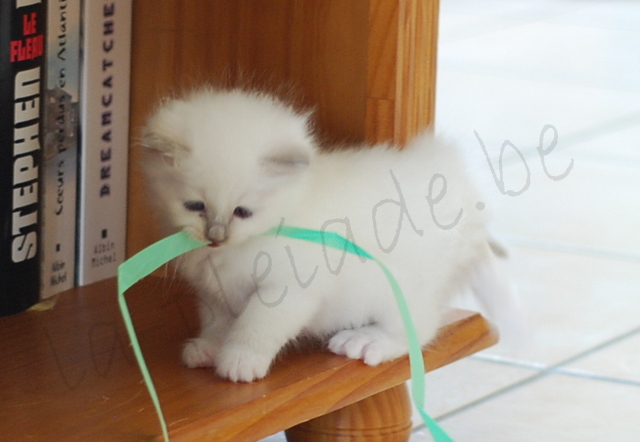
(235, 148)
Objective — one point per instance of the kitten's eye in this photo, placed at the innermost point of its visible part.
(242, 212)
(194, 206)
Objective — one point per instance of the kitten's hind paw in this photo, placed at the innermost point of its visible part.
(199, 352)
(371, 344)
(242, 364)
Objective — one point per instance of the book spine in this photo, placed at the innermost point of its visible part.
(61, 116)
(104, 149)
(22, 27)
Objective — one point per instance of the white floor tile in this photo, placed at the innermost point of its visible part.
(523, 10)
(461, 25)
(463, 382)
(618, 361)
(619, 145)
(617, 15)
(573, 303)
(553, 409)
(515, 109)
(553, 52)
(596, 206)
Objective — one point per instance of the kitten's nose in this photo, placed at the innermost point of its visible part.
(218, 232)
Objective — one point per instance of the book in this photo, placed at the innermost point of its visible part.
(61, 116)
(104, 144)
(22, 40)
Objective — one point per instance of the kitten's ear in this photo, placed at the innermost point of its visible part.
(286, 161)
(159, 144)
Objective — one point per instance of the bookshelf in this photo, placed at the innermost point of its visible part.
(367, 66)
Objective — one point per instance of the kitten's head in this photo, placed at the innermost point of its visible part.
(226, 165)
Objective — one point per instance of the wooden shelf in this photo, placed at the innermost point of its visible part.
(368, 68)
(69, 374)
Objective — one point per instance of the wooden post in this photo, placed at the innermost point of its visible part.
(367, 66)
(401, 78)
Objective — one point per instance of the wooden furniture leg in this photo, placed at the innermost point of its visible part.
(383, 417)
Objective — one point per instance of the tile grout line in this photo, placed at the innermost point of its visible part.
(542, 372)
(603, 128)
(508, 362)
(557, 369)
(595, 377)
(489, 397)
(510, 72)
(575, 249)
(592, 350)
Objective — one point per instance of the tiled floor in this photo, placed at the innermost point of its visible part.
(506, 69)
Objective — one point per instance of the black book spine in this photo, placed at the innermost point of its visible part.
(22, 47)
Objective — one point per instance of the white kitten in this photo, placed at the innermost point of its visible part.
(227, 166)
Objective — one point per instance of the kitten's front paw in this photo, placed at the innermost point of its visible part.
(199, 352)
(370, 344)
(242, 364)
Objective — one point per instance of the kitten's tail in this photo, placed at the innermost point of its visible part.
(498, 296)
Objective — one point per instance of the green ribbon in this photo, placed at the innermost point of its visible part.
(133, 270)
(158, 254)
(416, 361)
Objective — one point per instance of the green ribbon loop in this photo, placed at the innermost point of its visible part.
(158, 254)
(416, 360)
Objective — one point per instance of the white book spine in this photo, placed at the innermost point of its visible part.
(61, 147)
(104, 148)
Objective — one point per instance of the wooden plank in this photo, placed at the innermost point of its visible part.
(69, 374)
(367, 67)
(418, 39)
(314, 51)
